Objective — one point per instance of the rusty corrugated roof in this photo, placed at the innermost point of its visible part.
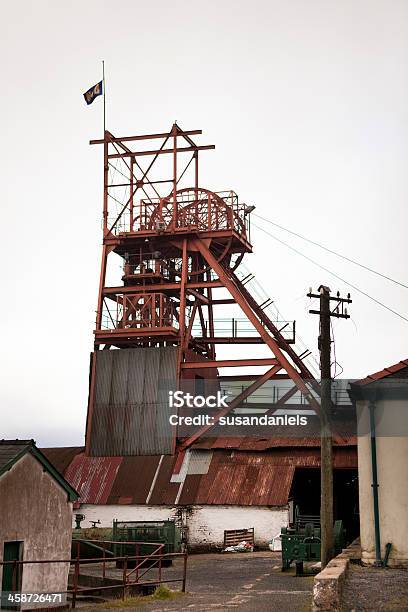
(93, 477)
(262, 444)
(165, 491)
(343, 457)
(256, 479)
(61, 458)
(133, 480)
(239, 482)
(244, 477)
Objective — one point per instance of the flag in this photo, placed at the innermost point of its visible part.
(93, 92)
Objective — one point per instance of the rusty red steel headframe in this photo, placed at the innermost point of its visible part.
(178, 246)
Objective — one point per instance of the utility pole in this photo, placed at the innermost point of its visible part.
(326, 450)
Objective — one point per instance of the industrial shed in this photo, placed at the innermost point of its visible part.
(223, 483)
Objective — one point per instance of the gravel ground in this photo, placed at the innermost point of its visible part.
(249, 582)
(371, 589)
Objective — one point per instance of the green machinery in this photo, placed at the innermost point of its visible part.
(301, 543)
(91, 543)
(148, 532)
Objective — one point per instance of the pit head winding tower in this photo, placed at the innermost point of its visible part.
(174, 250)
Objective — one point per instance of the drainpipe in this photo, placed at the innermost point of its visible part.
(378, 561)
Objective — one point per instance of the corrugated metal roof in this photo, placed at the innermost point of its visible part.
(61, 458)
(241, 483)
(93, 477)
(134, 479)
(165, 491)
(343, 457)
(398, 370)
(230, 476)
(261, 444)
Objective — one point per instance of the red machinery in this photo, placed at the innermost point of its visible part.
(177, 246)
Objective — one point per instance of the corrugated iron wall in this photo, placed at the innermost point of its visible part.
(131, 410)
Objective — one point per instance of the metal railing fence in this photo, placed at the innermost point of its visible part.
(130, 577)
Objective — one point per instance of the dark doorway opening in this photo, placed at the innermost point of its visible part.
(12, 573)
(346, 501)
(305, 494)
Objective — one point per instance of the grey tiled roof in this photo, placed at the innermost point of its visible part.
(11, 449)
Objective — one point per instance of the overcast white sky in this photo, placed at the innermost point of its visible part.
(306, 102)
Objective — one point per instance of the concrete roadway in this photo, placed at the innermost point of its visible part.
(247, 582)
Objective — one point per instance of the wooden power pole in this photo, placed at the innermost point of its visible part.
(326, 450)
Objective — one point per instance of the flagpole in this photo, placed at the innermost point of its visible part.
(104, 98)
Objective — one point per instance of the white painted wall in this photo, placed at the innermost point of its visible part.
(206, 524)
(392, 467)
(107, 513)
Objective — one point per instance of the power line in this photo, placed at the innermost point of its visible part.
(357, 263)
(261, 293)
(332, 273)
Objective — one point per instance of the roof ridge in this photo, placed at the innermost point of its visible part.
(17, 442)
(25, 447)
(387, 371)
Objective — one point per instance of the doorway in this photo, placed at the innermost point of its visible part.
(12, 573)
(305, 494)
